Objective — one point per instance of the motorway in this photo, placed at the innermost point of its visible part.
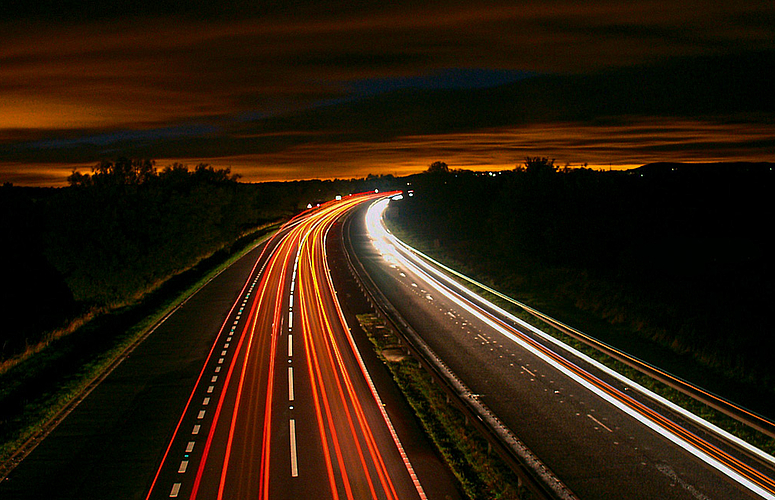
(284, 407)
(602, 435)
(253, 389)
(261, 386)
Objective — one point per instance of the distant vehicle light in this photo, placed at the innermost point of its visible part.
(397, 197)
(338, 197)
(309, 205)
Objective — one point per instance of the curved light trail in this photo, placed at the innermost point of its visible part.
(398, 253)
(265, 423)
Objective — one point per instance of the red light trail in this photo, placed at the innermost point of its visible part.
(331, 429)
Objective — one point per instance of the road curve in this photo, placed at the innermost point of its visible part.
(604, 436)
(284, 407)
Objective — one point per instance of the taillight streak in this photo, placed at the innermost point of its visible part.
(332, 346)
(252, 324)
(175, 433)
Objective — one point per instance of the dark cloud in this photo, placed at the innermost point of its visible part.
(79, 80)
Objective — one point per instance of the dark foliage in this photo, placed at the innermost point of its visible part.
(438, 167)
(124, 229)
(33, 295)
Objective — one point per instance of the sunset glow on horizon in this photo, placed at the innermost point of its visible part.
(609, 147)
(313, 91)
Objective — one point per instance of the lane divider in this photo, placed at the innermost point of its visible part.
(245, 294)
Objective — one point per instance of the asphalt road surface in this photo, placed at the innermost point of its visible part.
(253, 389)
(601, 437)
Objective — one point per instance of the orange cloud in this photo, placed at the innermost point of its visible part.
(151, 71)
(65, 80)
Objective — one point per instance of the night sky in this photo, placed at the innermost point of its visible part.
(297, 90)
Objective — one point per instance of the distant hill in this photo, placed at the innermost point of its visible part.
(722, 169)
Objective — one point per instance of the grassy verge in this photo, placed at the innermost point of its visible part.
(712, 415)
(481, 473)
(39, 387)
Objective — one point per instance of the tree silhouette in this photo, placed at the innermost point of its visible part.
(539, 165)
(438, 167)
(124, 171)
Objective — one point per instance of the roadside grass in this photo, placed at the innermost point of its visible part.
(481, 473)
(37, 388)
(725, 422)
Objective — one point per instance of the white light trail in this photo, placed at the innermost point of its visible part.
(387, 245)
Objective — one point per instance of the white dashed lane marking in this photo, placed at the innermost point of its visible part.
(290, 383)
(598, 422)
(183, 467)
(294, 461)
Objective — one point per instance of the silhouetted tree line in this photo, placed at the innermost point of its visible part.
(123, 229)
(678, 253)
(134, 172)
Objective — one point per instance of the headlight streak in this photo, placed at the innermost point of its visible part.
(634, 385)
(758, 483)
(423, 262)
